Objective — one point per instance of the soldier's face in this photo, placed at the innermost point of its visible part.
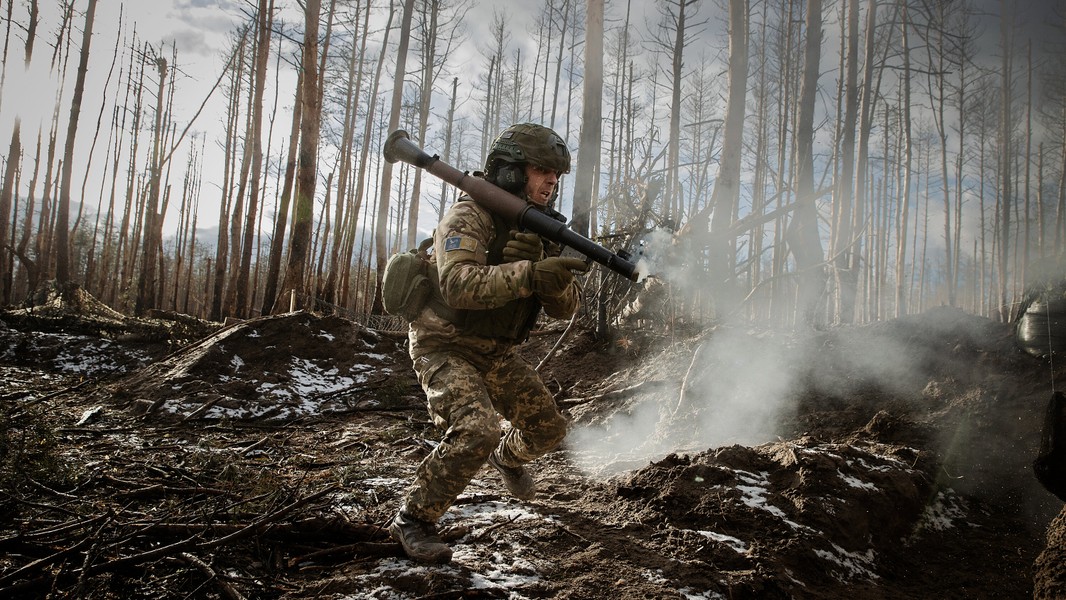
(540, 184)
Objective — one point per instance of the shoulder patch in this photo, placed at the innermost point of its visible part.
(460, 243)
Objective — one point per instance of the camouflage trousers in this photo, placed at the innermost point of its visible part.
(464, 402)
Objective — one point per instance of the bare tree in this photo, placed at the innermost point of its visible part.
(147, 298)
(1006, 199)
(908, 152)
(264, 23)
(726, 195)
(222, 246)
(846, 263)
(307, 169)
(345, 212)
(588, 157)
(676, 18)
(277, 241)
(62, 233)
(381, 248)
(362, 183)
(14, 158)
(804, 241)
(430, 16)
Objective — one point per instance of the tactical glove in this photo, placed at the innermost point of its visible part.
(552, 276)
(523, 246)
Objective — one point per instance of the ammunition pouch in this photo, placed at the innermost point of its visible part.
(410, 283)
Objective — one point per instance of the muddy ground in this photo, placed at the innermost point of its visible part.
(163, 458)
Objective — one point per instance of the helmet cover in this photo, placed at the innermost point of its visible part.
(528, 143)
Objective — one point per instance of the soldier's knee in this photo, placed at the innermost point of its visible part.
(555, 430)
(480, 437)
(547, 432)
(487, 442)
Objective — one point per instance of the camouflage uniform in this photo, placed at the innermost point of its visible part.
(470, 372)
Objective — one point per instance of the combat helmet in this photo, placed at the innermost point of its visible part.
(520, 144)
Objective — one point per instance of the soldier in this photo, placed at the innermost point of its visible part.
(495, 281)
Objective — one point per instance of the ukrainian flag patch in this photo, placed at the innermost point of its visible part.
(460, 243)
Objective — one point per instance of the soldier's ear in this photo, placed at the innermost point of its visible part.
(511, 177)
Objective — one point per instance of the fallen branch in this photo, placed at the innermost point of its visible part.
(135, 559)
(201, 409)
(262, 522)
(493, 527)
(192, 543)
(23, 406)
(40, 563)
(160, 489)
(610, 394)
(558, 342)
(59, 529)
(684, 382)
(299, 530)
(375, 549)
(227, 589)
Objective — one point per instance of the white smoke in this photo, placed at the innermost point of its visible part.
(738, 383)
(651, 252)
(735, 391)
(737, 386)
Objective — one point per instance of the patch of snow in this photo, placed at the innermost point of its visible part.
(218, 412)
(893, 463)
(384, 481)
(754, 495)
(487, 513)
(326, 335)
(855, 564)
(692, 594)
(740, 546)
(855, 482)
(655, 576)
(507, 573)
(87, 356)
(504, 572)
(942, 512)
(89, 415)
(308, 378)
(236, 362)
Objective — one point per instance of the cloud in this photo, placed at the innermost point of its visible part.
(209, 16)
(191, 41)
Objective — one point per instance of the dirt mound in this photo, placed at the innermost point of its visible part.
(277, 368)
(72, 310)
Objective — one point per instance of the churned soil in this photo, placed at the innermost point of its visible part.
(260, 460)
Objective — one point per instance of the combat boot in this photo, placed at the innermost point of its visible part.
(419, 539)
(517, 479)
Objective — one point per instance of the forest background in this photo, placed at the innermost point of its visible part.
(810, 161)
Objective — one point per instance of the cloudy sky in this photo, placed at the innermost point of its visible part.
(200, 28)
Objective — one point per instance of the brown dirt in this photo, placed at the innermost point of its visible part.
(893, 461)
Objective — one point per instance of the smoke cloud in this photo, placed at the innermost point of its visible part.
(735, 391)
(738, 383)
(739, 387)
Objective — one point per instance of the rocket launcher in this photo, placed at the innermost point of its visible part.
(498, 201)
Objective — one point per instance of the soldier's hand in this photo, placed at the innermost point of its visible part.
(523, 246)
(552, 276)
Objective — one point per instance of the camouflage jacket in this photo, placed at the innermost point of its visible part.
(480, 290)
